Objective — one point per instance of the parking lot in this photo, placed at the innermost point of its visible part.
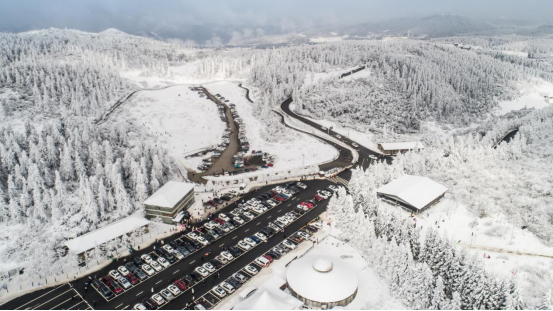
(160, 280)
(63, 297)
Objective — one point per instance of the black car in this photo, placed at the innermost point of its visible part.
(196, 244)
(219, 201)
(299, 210)
(209, 238)
(170, 258)
(140, 274)
(265, 232)
(226, 198)
(274, 255)
(138, 261)
(234, 223)
(188, 280)
(154, 256)
(149, 303)
(102, 288)
(311, 229)
(234, 283)
(183, 251)
(131, 266)
(190, 248)
(173, 244)
(235, 251)
(196, 276)
(244, 218)
(216, 263)
(219, 231)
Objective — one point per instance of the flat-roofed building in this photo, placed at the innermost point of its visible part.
(395, 148)
(416, 193)
(169, 200)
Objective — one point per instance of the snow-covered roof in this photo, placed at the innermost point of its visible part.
(416, 191)
(322, 278)
(170, 194)
(410, 145)
(99, 236)
(269, 297)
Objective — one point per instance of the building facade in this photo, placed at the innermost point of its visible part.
(169, 200)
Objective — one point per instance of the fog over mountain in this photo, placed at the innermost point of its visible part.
(220, 22)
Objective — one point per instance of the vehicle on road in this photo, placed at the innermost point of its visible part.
(338, 136)
(251, 270)
(221, 293)
(158, 300)
(355, 145)
(324, 128)
(148, 269)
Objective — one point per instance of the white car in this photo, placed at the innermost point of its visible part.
(249, 215)
(225, 228)
(156, 266)
(203, 272)
(114, 274)
(355, 145)
(177, 254)
(202, 241)
(158, 299)
(250, 241)
(227, 255)
(162, 261)
(317, 225)
(256, 209)
(243, 245)
(288, 244)
(209, 267)
(168, 248)
(174, 290)
(146, 258)
(219, 291)
(338, 136)
(301, 185)
(192, 235)
(238, 220)
(261, 236)
(283, 220)
(166, 294)
(124, 282)
(304, 235)
(227, 287)
(123, 270)
(251, 269)
(322, 194)
(224, 217)
(303, 207)
(148, 269)
(209, 225)
(324, 128)
(272, 202)
(221, 259)
(139, 306)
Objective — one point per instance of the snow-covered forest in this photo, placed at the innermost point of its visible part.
(409, 82)
(513, 180)
(59, 172)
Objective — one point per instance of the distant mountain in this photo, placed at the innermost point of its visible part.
(438, 25)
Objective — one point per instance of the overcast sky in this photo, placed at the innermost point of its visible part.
(191, 18)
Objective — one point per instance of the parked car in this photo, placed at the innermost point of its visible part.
(149, 303)
(148, 269)
(158, 300)
(227, 287)
(132, 278)
(251, 269)
(181, 285)
(124, 282)
(219, 292)
(174, 290)
(114, 274)
(202, 271)
(262, 261)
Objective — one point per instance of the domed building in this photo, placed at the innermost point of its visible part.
(322, 282)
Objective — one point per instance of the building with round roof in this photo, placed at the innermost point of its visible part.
(322, 281)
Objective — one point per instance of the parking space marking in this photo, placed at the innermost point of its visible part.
(73, 306)
(176, 271)
(126, 307)
(56, 288)
(269, 217)
(246, 230)
(158, 282)
(38, 306)
(221, 245)
(60, 303)
(193, 261)
(118, 306)
(258, 223)
(139, 293)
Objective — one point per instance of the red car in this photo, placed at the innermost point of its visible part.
(112, 285)
(278, 198)
(132, 278)
(181, 285)
(247, 162)
(317, 197)
(270, 165)
(212, 203)
(309, 205)
(219, 220)
(269, 258)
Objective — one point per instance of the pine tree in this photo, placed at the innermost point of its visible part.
(545, 303)
(438, 300)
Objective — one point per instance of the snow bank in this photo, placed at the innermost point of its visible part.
(532, 96)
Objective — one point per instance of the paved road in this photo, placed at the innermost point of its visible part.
(179, 269)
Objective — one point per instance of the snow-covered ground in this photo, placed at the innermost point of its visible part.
(532, 96)
(180, 120)
(372, 293)
(514, 252)
(293, 151)
(326, 39)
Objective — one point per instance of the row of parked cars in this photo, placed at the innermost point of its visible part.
(140, 268)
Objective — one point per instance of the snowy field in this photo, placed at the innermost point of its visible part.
(532, 96)
(177, 117)
(293, 151)
(372, 293)
(514, 253)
